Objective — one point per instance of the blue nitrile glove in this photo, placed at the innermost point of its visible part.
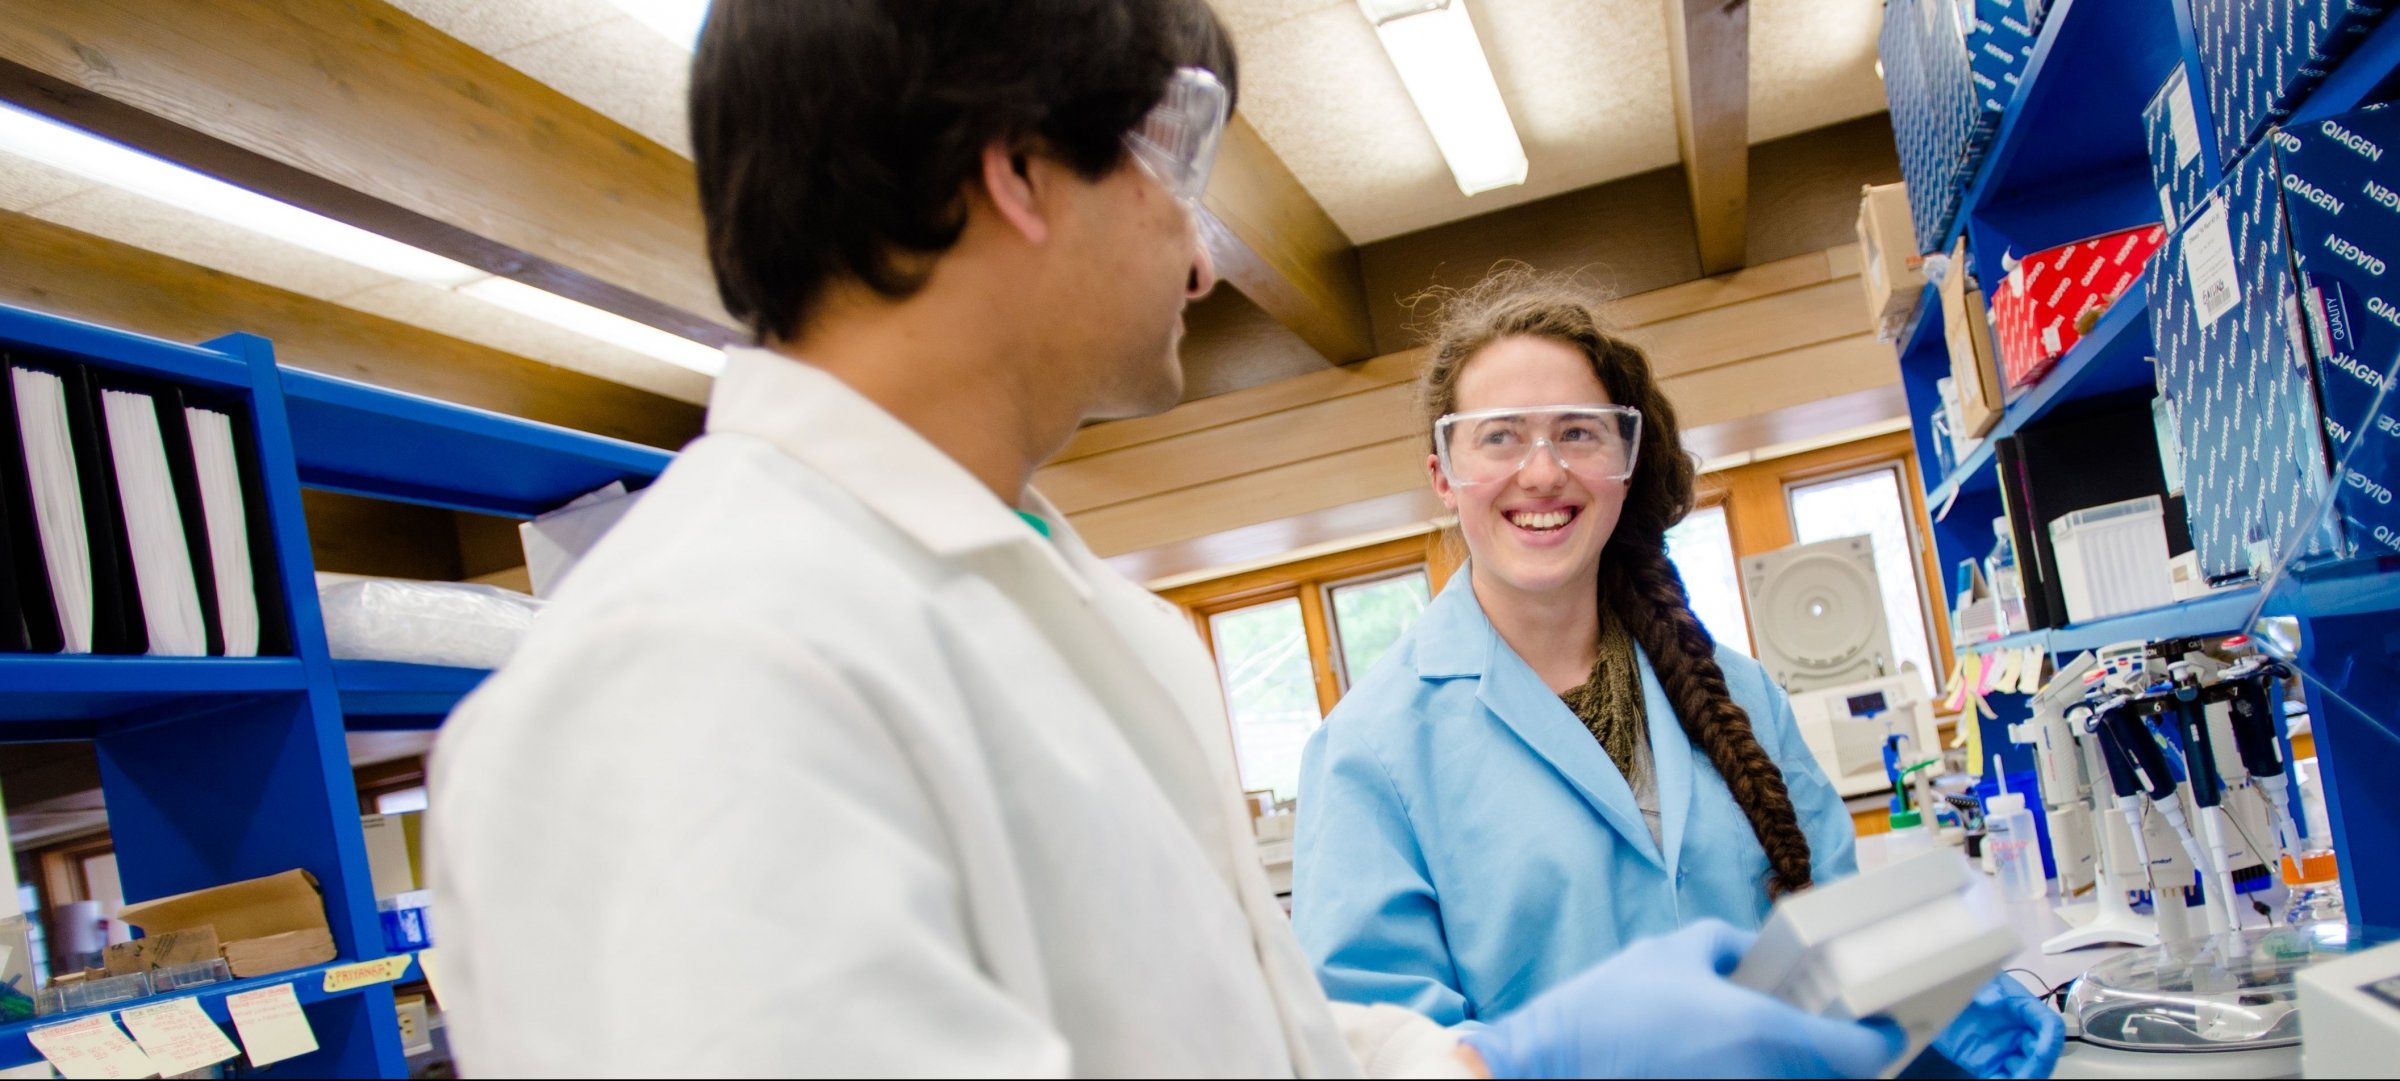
(2005, 1032)
(1663, 1008)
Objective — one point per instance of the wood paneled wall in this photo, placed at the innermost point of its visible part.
(1735, 346)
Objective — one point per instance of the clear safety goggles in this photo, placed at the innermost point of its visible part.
(1177, 142)
(1488, 446)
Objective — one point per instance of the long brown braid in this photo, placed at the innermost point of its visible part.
(1637, 582)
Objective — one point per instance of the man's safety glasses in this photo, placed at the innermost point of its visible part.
(1177, 142)
(1593, 442)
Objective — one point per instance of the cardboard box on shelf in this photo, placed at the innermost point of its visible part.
(2050, 298)
(1974, 363)
(2260, 59)
(162, 949)
(2341, 204)
(2233, 367)
(265, 925)
(1890, 268)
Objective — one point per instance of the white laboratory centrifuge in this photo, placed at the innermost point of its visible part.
(2226, 1006)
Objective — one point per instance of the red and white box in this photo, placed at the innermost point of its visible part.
(2036, 310)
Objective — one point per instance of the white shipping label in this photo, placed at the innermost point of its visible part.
(2181, 123)
(2208, 262)
(92, 1046)
(271, 1024)
(2166, 205)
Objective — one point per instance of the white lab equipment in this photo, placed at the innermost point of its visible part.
(1845, 728)
(2352, 1007)
(1818, 611)
(2112, 559)
(1912, 941)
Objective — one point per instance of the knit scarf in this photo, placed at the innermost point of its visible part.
(1610, 703)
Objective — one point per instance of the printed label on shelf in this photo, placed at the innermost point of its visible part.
(271, 1025)
(2208, 262)
(178, 1036)
(91, 1047)
(2166, 204)
(365, 973)
(432, 970)
(2182, 125)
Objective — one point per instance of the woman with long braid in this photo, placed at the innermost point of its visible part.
(1557, 759)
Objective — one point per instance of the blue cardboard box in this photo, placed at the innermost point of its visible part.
(2260, 58)
(2183, 153)
(1999, 47)
(2341, 199)
(2235, 373)
(1928, 79)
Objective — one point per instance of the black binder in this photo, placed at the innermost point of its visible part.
(117, 622)
(2106, 454)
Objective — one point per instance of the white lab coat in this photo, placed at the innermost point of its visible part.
(824, 762)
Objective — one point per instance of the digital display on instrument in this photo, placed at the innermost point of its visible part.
(1864, 704)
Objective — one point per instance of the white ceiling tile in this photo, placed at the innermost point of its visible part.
(496, 27)
(150, 225)
(1812, 63)
(25, 183)
(623, 70)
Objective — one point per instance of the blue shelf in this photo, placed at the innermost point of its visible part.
(48, 691)
(2064, 146)
(2113, 357)
(124, 352)
(2223, 612)
(308, 985)
(389, 695)
(2360, 79)
(385, 444)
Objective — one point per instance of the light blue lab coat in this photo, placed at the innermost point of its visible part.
(1465, 844)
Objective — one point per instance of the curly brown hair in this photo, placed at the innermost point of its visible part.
(1638, 583)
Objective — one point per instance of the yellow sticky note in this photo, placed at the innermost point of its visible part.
(1970, 732)
(271, 1025)
(91, 1047)
(433, 972)
(178, 1036)
(365, 973)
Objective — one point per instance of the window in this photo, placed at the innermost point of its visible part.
(1270, 692)
(400, 802)
(1701, 547)
(1370, 615)
(1290, 639)
(1872, 504)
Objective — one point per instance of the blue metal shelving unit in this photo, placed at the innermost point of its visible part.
(219, 769)
(2069, 161)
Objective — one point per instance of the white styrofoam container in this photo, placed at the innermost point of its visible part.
(2112, 559)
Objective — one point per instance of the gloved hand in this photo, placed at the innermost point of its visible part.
(2005, 1032)
(1663, 1008)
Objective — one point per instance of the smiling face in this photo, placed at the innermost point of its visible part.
(1538, 532)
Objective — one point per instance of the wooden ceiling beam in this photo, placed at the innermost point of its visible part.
(1270, 239)
(363, 113)
(1708, 45)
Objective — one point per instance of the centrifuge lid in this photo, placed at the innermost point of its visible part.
(2232, 992)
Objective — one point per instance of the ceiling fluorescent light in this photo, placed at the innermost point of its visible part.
(1433, 44)
(76, 151)
(678, 21)
(594, 322)
(62, 147)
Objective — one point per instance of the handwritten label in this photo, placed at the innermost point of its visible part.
(433, 972)
(91, 1047)
(365, 973)
(270, 1024)
(177, 1036)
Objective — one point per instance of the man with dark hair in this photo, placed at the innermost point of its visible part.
(841, 754)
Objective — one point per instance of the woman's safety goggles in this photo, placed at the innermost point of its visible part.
(1593, 442)
(1177, 142)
